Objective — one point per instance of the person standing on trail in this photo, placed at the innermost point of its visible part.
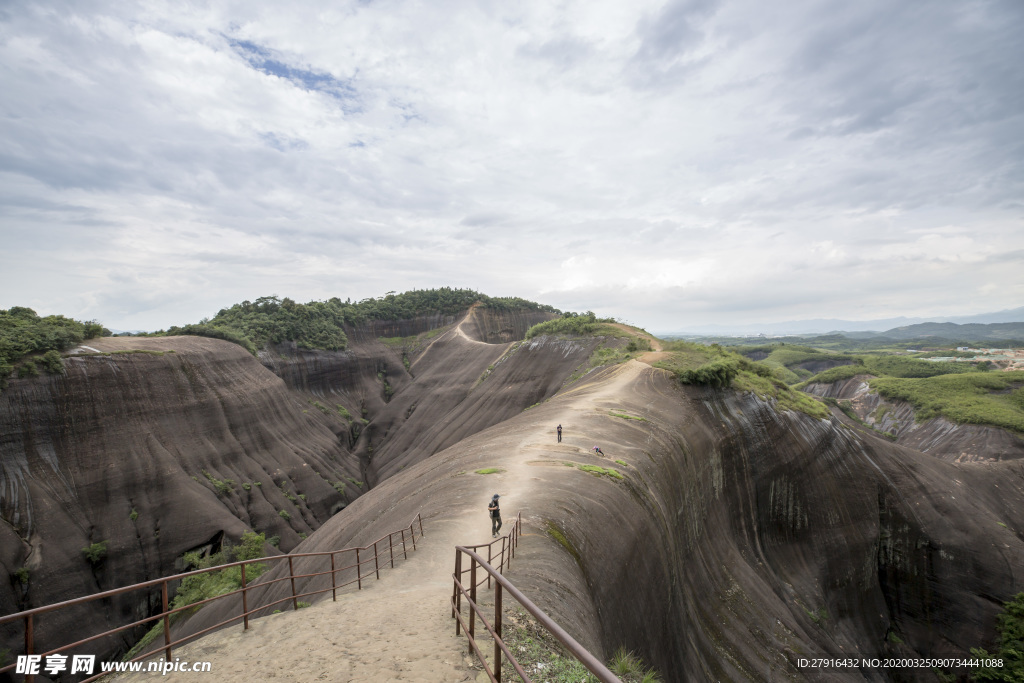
(495, 516)
(559, 433)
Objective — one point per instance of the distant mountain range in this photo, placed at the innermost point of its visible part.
(982, 326)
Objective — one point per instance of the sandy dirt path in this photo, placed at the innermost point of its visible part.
(398, 628)
(395, 629)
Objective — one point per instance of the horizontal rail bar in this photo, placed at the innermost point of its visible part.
(175, 577)
(578, 651)
(27, 615)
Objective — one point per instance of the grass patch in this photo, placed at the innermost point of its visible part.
(555, 533)
(543, 658)
(600, 471)
(344, 413)
(623, 463)
(624, 416)
(490, 470)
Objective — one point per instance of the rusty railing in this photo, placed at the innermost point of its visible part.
(395, 539)
(509, 543)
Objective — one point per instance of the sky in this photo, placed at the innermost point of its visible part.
(673, 164)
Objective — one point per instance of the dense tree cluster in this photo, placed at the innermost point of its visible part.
(24, 333)
(320, 324)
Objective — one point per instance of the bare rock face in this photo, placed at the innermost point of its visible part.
(937, 436)
(153, 447)
(739, 538)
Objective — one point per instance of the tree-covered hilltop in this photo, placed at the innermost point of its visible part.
(23, 333)
(320, 324)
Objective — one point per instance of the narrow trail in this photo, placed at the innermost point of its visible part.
(399, 628)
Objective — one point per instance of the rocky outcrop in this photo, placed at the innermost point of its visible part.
(937, 436)
(153, 447)
(739, 539)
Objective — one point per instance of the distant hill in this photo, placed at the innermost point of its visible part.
(836, 325)
(973, 331)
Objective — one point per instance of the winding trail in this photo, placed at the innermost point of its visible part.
(399, 628)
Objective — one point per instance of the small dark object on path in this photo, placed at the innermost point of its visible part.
(559, 433)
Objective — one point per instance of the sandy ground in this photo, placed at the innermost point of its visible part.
(395, 629)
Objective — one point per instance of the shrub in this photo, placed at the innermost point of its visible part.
(133, 515)
(22, 576)
(95, 552)
(1010, 627)
(570, 323)
(718, 373)
(28, 369)
(284, 515)
(52, 362)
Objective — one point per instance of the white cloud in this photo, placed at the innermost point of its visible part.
(709, 159)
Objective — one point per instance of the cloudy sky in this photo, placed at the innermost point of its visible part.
(673, 163)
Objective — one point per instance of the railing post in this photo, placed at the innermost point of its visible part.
(334, 583)
(359, 575)
(29, 638)
(291, 575)
(456, 593)
(391, 549)
(412, 532)
(489, 559)
(167, 621)
(504, 540)
(497, 631)
(404, 554)
(419, 516)
(245, 603)
(472, 606)
(376, 564)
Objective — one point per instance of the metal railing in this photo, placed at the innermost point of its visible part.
(395, 539)
(509, 543)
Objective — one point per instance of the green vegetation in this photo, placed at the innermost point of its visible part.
(623, 463)
(320, 324)
(543, 658)
(490, 470)
(284, 515)
(95, 552)
(974, 398)
(344, 413)
(717, 367)
(598, 471)
(624, 416)
(1010, 627)
(555, 533)
(224, 487)
(569, 324)
(133, 515)
(23, 332)
(300, 604)
(836, 374)
(358, 484)
(199, 587)
(22, 576)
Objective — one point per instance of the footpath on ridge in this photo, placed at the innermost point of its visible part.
(400, 627)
